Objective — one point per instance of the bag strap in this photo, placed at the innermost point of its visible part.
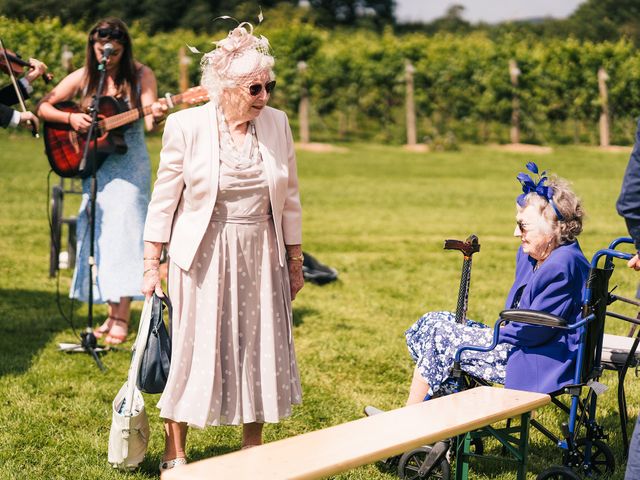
(157, 313)
(167, 302)
(125, 435)
(138, 349)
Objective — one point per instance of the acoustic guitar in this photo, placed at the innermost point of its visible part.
(65, 147)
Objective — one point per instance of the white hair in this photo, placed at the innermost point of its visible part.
(569, 205)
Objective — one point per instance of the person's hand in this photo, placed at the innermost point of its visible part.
(634, 263)
(158, 110)
(151, 283)
(26, 117)
(296, 279)
(38, 69)
(80, 122)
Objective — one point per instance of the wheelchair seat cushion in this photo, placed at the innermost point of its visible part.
(615, 350)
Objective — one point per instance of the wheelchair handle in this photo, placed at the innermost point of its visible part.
(609, 252)
(620, 240)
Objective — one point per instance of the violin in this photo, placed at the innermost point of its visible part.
(11, 61)
(7, 62)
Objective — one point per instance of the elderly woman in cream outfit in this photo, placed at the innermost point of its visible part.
(226, 204)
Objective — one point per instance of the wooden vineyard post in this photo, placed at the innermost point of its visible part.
(514, 73)
(303, 107)
(604, 104)
(410, 104)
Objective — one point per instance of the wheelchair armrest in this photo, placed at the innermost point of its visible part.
(534, 317)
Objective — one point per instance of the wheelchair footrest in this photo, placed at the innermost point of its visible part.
(436, 455)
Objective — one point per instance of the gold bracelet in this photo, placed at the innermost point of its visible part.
(151, 258)
(296, 258)
(149, 270)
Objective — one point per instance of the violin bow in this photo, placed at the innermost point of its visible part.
(34, 129)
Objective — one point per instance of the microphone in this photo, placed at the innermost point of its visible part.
(106, 52)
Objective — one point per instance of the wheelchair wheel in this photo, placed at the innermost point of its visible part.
(602, 460)
(558, 473)
(411, 461)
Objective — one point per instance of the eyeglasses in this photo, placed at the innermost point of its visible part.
(110, 33)
(256, 88)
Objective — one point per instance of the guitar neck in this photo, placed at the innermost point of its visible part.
(131, 116)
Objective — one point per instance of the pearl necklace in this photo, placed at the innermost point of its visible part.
(229, 154)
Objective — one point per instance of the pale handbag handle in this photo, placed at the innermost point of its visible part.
(138, 349)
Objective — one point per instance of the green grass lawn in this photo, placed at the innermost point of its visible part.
(378, 214)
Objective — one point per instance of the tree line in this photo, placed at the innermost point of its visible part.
(595, 20)
(167, 15)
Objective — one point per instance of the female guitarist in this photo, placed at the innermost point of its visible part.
(123, 179)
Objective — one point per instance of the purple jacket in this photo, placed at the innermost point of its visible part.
(543, 359)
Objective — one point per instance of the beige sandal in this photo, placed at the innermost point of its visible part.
(104, 328)
(116, 338)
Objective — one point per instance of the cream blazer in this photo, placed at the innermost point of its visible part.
(187, 185)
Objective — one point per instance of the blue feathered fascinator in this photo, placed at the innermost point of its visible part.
(529, 186)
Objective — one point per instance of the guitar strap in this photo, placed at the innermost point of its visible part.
(138, 91)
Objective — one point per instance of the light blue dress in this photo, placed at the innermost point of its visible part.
(121, 209)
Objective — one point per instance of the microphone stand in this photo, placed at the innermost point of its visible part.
(88, 343)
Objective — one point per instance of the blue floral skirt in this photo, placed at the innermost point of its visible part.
(434, 339)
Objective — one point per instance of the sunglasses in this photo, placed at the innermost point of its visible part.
(523, 227)
(256, 88)
(110, 33)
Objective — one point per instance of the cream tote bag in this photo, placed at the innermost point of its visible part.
(129, 436)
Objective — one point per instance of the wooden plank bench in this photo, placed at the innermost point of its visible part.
(342, 447)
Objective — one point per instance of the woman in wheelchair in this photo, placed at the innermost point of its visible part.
(551, 272)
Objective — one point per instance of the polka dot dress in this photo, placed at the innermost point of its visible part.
(233, 357)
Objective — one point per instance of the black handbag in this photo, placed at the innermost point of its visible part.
(156, 357)
(316, 272)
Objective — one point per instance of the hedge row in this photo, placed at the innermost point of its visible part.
(355, 80)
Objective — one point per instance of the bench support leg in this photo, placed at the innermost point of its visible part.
(519, 450)
(463, 446)
(524, 446)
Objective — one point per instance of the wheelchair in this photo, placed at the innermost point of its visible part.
(582, 440)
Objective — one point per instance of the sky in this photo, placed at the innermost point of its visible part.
(490, 11)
